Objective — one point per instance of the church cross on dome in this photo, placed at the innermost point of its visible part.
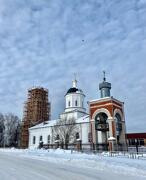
(104, 78)
(74, 82)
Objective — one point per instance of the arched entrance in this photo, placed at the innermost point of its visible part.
(102, 130)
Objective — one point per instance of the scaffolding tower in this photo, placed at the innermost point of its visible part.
(37, 109)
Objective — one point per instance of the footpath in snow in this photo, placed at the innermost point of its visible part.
(122, 165)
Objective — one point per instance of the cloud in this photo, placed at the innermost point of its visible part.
(44, 42)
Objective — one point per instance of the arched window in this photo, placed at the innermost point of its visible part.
(41, 138)
(68, 103)
(57, 137)
(77, 136)
(76, 103)
(118, 123)
(34, 138)
(101, 118)
(48, 139)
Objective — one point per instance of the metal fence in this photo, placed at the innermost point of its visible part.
(84, 147)
(102, 150)
(141, 149)
(96, 147)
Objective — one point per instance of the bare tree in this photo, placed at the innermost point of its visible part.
(64, 131)
(1, 129)
(10, 133)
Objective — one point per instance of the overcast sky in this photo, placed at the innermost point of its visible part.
(43, 42)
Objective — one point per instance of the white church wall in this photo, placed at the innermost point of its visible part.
(68, 115)
(71, 99)
(44, 132)
(73, 114)
(82, 129)
(85, 132)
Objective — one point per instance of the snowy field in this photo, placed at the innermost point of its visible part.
(60, 164)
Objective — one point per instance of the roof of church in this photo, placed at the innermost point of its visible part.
(84, 119)
(106, 99)
(104, 84)
(44, 124)
(72, 90)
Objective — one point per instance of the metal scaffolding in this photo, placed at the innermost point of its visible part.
(37, 109)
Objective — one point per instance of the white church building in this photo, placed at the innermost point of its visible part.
(74, 108)
(102, 129)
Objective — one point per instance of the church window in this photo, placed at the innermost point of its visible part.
(57, 137)
(48, 139)
(41, 138)
(89, 137)
(34, 139)
(77, 135)
(68, 103)
(76, 103)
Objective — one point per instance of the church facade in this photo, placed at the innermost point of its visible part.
(102, 128)
(74, 109)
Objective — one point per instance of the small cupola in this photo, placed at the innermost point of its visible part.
(104, 87)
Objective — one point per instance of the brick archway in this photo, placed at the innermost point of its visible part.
(118, 111)
(102, 110)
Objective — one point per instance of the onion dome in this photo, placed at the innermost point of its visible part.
(104, 87)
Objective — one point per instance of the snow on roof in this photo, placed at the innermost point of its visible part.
(45, 124)
(105, 98)
(84, 119)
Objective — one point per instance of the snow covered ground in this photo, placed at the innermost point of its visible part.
(104, 166)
